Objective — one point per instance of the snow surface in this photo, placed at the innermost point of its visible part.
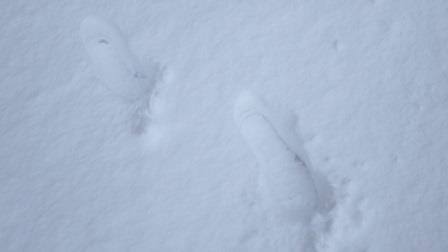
(182, 125)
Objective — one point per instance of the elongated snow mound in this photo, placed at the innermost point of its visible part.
(286, 185)
(119, 70)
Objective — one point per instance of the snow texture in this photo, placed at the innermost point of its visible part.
(118, 69)
(287, 189)
(124, 125)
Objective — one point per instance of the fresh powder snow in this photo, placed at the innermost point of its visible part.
(276, 125)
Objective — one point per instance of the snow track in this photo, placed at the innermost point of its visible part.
(118, 69)
(102, 151)
(116, 66)
(287, 189)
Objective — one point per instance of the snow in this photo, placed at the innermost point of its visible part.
(112, 59)
(288, 194)
(188, 128)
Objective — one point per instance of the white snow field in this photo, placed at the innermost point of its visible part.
(239, 125)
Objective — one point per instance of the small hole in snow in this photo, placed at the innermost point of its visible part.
(103, 41)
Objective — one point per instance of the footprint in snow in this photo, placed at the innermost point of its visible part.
(118, 69)
(287, 189)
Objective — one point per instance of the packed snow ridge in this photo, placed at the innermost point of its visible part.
(287, 189)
